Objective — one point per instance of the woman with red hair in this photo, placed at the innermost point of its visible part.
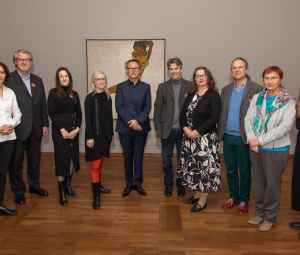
(268, 122)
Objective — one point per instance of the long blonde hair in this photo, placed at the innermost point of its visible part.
(92, 85)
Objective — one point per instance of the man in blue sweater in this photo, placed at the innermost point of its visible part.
(236, 98)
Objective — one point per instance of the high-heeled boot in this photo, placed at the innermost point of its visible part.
(62, 196)
(96, 193)
(68, 188)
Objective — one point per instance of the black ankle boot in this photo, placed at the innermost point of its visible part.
(68, 188)
(96, 193)
(62, 196)
(96, 203)
(103, 190)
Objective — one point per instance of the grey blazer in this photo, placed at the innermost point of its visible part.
(164, 106)
(251, 89)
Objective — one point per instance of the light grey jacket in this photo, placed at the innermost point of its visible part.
(251, 89)
(164, 106)
(279, 125)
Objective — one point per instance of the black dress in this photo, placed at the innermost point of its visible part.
(98, 125)
(296, 172)
(65, 113)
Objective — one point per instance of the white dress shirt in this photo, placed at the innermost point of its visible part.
(10, 113)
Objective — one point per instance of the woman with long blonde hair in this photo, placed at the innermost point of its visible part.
(99, 131)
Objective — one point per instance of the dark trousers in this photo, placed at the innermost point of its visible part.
(133, 145)
(167, 148)
(32, 146)
(296, 177)
(6, 152)
(268, 167)
(236, 157)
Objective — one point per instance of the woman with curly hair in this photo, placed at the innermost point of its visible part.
(199, 165)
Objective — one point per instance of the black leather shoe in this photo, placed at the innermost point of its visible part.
(198, 208)
(7, 212)
(40, 192)
(140, 190)
(191, 200)
(103, 190)
(181, 191)
(168, 191)
(126, 191)
(20, 199)
(96, 203)
(295, 225)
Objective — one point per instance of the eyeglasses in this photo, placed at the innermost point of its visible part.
(100, 79)
(133, 69)
(271, 78)
(26, 60)
(237, 67)
(202, 76)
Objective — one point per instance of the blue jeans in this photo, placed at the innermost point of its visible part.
(167, 147)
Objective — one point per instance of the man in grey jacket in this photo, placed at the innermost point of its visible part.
(170, 97)
(236, 98)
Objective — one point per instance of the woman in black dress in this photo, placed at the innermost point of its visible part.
(99, 131)
(65, 112)
(199, 165)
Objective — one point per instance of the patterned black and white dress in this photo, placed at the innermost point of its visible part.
(199, 165)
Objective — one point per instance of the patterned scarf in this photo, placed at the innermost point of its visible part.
(283, 98)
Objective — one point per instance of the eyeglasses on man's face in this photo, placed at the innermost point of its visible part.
(133, 68)
(26, 60)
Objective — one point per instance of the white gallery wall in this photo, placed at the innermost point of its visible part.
(210, 33)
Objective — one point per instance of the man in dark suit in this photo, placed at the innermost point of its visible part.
(133, 105)
(170, 96)
(236, 98)
(30, 93)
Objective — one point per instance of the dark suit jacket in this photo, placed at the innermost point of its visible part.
(206, 113)
(164, 106)
(34, 109)
(250, 90)
(127, 108)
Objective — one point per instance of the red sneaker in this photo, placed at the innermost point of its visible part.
(243, 208)
(229, 204)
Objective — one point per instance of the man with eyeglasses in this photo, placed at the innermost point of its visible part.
(30, 93)
(236, 98)
(133, 105)
(170, 96)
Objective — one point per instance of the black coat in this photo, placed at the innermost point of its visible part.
(33, 108)
(206, 113)
(65, 113)
(98, 125)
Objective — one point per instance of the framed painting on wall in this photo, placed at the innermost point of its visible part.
(110, 56)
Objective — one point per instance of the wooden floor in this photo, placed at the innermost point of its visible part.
(153, 224)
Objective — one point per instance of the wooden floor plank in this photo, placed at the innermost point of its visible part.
(131, 225)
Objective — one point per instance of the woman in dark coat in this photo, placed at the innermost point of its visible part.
(296, 172)
(99, 131)
(65, 112)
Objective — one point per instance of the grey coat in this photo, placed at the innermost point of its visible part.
(164, 106)
(251, 89)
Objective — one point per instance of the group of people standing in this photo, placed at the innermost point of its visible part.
(250, 122)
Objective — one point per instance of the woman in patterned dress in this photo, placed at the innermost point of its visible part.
(199, 165)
